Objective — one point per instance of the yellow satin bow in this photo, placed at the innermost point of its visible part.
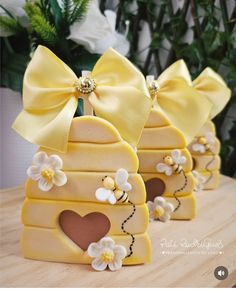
(179, 101)
(211, 84)
(51, 92)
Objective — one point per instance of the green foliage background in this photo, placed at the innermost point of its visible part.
(212, 46)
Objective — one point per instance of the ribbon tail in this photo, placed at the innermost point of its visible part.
(125, 107)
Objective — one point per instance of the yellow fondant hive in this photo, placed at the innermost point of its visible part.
(159, 139)
(95, 150)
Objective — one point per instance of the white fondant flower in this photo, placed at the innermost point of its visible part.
(160, 209)
(97, 32)
(106, 254)
(200, 181)
(46, 170)
(204, 143)
(113, 188)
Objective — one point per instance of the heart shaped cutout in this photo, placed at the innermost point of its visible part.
(84, 230)
(155, 187)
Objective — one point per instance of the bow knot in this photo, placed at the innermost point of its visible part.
(85, 84)
(153, 86)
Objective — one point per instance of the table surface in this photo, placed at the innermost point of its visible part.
(185, 253)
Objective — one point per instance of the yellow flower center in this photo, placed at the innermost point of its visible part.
(47, 174)
(107, 256)
(158, 212)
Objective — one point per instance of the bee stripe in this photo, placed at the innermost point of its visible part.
(125, 199)
(177, 168)
(121, 197)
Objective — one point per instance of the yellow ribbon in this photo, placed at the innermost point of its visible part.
(179, 101)
(51, 92)
(211, 84)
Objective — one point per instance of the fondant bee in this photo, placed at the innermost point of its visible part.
(172, 164)
(204, 143)
(115, 191)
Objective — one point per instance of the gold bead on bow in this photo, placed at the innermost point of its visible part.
(85, 84)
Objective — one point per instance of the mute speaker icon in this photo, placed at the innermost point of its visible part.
(221, 273)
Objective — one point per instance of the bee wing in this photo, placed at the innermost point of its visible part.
(121, 177)
(177, 157)
(210, 138)
(197, 147)
(176, 154)
(168, 171)
(112, 199)
(163, 168)
(182, 160)
(125, 187)
(103, 194)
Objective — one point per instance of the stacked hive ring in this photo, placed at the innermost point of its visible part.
(158, 140)
(60, 224)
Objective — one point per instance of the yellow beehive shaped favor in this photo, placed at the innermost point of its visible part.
(205, 150)
(158, 140)
(205, 146)
(85, 201)
(178, 112)
(60, 224)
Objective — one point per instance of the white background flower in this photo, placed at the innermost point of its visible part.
(106, 254)
(97, 31)
(47, 171)
(15, 7)
(144, 42)
(200, 180)
(160, 209)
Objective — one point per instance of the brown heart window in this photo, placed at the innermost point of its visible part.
(84, 230)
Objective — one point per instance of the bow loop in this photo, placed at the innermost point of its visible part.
(178, 70)
(180, 102)
(115, 89)
(114, 70)
(211, 84)
(48, 82)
